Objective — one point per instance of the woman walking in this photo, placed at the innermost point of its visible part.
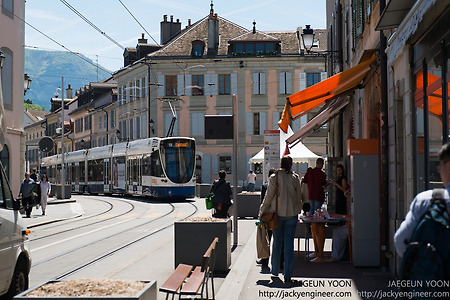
(45, 192)
(284, 188)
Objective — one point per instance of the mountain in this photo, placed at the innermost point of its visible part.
(46, 68)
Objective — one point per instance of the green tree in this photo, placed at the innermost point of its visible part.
(29, 106)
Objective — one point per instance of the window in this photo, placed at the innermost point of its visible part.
(224, 84)
(225, 163)
(7, 72)
(8, 6)
(198, 47)
(197, 85)
(259, 83)
(312, 79)
(4, 159)
(256, 123)
(87, 122)
(171, 85)
(112, 116)
(131, 135)
(254, 48)
(100, 122)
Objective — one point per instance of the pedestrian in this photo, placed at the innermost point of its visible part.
(33, 175)
(283, 196)
(421, 203)
(316, 180)
(251, 179)
(222, 195)
(341, 188)
(26, 192)
(46, 188)
(264, 261)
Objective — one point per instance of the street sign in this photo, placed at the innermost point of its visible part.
(46, 144)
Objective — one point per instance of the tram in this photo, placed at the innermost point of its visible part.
(157, 167)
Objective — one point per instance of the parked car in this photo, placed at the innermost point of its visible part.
(15, 260)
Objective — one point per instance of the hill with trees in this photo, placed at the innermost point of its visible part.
(45, 68)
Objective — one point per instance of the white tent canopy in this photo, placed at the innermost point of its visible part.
(299, 153)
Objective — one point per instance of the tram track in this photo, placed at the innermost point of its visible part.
(116, 249)
(111, 206)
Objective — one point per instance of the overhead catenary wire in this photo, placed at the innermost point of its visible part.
(61, 45)
(91, 24)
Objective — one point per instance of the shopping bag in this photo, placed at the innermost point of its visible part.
(262, 242)
(209, 201)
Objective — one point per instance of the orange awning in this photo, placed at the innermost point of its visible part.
(304, 101)
(434, 91)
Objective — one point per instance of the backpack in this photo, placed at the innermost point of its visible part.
(427, 257)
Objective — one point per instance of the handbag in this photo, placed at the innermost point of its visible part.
(262, 242)
(209, 201)
(270, 220)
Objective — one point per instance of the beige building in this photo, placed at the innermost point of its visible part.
(34, 127)
(12, 84)
(198, 70)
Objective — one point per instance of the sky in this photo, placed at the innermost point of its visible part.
(54, 19)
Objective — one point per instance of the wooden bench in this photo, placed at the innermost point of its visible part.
(179, 282)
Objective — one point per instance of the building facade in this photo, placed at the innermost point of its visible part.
(197, 72)
(12, 85)
(402, 101)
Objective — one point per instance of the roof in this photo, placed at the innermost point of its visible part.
(36, 115)
(181, 44)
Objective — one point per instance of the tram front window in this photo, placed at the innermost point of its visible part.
(178, 159)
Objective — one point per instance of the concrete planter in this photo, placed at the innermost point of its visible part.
(248, 204)
(193, 237)
(147, 293)
(202, 190)
(58, 193)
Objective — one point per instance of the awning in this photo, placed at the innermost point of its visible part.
(394, 13)
(316, 122)
(304, 101)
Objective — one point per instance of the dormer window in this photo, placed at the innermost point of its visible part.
(254, 48)
(198, 47)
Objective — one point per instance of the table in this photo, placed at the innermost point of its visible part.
(307, 220)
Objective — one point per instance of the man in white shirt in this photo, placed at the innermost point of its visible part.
(251, 178)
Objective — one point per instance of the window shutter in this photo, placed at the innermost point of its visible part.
(275, 119)
(282, 82)
(167, 120)
(161, 89)
(262, 122)
(127, 92)
(215, 84)
(188, 85)
(296, 125)
(250, 123)
(144, 125)
(233, 81)
(180, 85)
(323, 76)
(206, 168)
(262, 83)
(207, 86)
(302, 82)
(255, 83)
(288, 83)
(215, 164)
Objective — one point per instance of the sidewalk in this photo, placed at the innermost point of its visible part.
(247, 280)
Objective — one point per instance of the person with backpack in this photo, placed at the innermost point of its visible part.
(423, 238)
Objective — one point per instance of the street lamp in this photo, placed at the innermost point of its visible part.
(26, 83)
(308, 38)
(63, 177)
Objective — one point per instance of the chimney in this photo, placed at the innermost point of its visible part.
(142, 40)
(169, 29)
(213, 33)
(254, 27)
(189, 22)
(69, 92)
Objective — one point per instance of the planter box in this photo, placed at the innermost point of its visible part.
(147, 293)
(248, 204)
(202, 190)
(58, 192)
(193, 237)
